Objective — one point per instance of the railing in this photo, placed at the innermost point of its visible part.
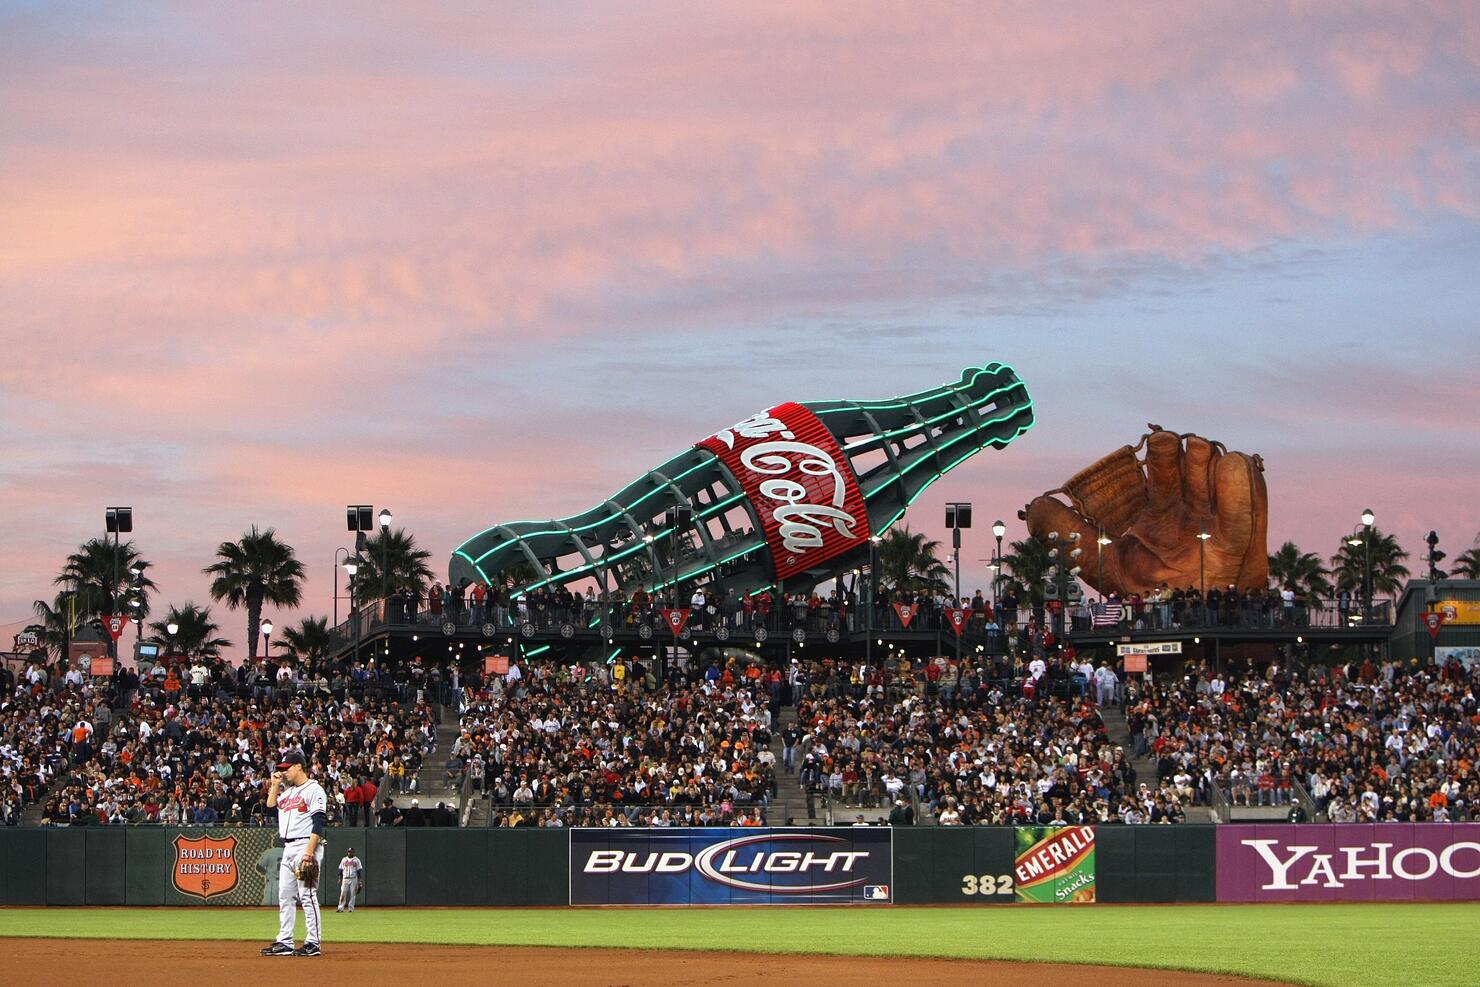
(1304, 800)
(597, 815)
(1168, 616)
(587, 616)
(627, 618)
(1218, 806)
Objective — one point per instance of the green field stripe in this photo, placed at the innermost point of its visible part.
(1359, 945)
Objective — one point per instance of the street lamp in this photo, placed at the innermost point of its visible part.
(1367, 518)
(958, 516)
(1101, 542)
(1202, 569)
(266, 636)
(385, 530)
(873, 592)
(351, 567)
(116, 521)
(347, 563)
(999, 528)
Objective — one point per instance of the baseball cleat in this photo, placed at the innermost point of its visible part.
(278, 949)
(307, 949)
(339, 909)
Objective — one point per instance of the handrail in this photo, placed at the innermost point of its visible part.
(1218, 807)
(1297, 790)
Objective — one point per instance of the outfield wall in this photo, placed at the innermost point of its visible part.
(904, 865)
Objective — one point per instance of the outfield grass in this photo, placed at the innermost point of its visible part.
(1335, 945)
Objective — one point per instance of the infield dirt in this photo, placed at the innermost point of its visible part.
(126, 962)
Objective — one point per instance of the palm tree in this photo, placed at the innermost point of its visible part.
(1349, 564)
(195, 632)
(1029, 563)
(1300, 572)
(909, 561)
(405, 564)
(105, 582)
(1467, 566)
(255, 570)
(58, 622)
(310, 640)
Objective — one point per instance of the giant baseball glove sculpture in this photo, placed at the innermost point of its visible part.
(1153, 513)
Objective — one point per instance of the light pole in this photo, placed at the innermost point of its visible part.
(346, 563)
(958, 516)
(1202, 571)
(1367, 518)
(171, 629)
(999, 528)
(1060, 572)
(266, 638)
(116, 521)
(385, 576)
(1101, 542)
(350, 568)
(873, 592)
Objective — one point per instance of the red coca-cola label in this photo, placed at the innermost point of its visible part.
(799, 483)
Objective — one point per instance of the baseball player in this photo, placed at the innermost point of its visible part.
(302, 812)
(350, 869)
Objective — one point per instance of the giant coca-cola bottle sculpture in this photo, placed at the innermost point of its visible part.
(791, 494)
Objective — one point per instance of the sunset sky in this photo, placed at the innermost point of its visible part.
(491, 262)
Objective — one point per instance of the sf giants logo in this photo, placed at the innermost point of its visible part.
(204, 866)
(799, 483)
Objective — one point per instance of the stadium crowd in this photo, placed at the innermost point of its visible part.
(1368, 741)
(993, 739)
(613, 745)
(193, 748)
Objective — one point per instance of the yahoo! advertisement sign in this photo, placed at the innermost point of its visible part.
(730, 866)
(1362, 862)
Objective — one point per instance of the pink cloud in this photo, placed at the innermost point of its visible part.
(243, 257)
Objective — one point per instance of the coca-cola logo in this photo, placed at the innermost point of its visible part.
(801, 523)
(799, 483)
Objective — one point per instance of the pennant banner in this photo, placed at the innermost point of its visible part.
(906, 613)
(676, 619)
(957, 617)
(115, 626)
(1434, 622)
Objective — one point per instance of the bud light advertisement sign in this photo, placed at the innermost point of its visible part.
(1352, 862)
(840, 865)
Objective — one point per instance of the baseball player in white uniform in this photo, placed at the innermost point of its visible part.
(349, 879)
(302, 813)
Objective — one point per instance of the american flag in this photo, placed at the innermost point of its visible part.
(1107, 614)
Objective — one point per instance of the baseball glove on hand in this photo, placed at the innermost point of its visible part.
(308, 872)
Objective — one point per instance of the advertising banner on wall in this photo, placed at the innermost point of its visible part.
(731, 866)
(1469, 657)
(223, 867)
(1459, 611)
(1055, 863)
(1360, 862)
